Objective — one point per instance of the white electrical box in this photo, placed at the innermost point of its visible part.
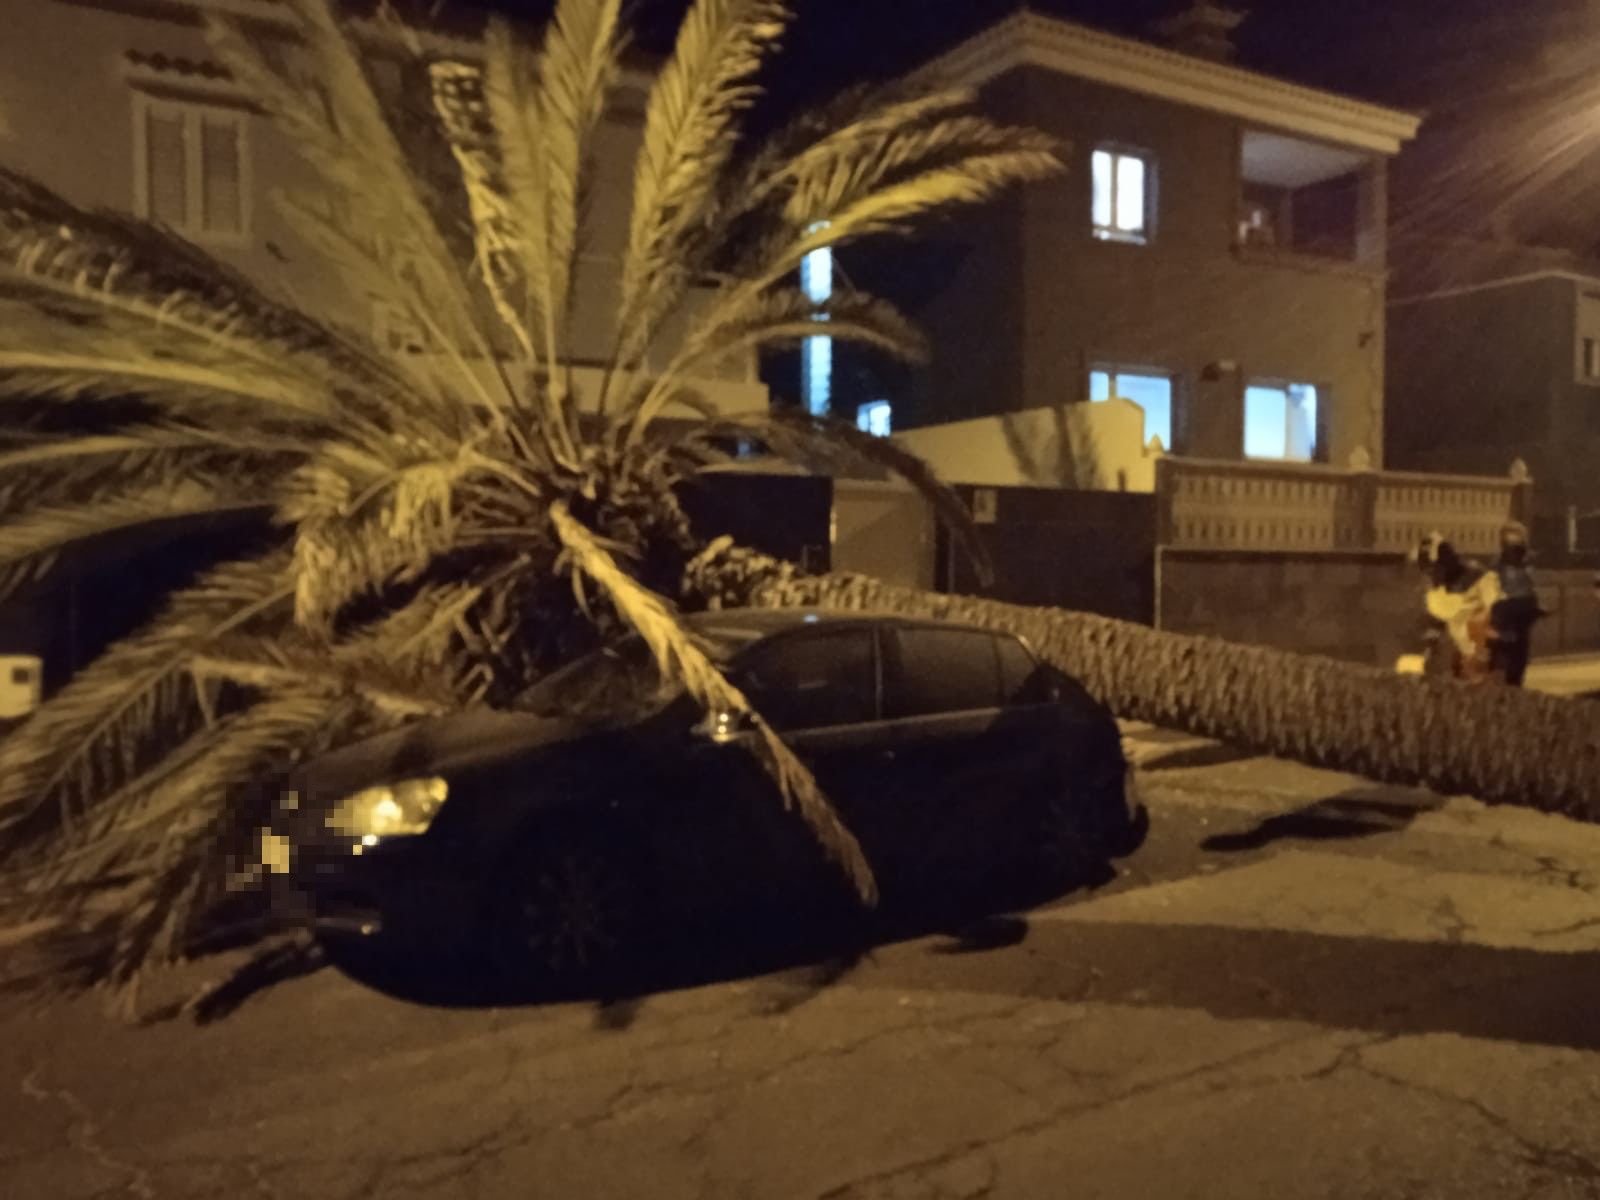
(21, 682)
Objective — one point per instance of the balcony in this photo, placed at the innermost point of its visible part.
(1308, 203)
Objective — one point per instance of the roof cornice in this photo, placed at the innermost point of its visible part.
(1027, 39)
(374, 34)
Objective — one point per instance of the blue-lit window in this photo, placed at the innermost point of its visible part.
(1153, 393)
(1280, 421)
(1121, 202)
(874, 417)
(816, 353)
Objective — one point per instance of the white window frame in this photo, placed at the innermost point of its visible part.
(1113, 369)
(1318, 424)
(1586, 340)
(867, 418)
(193, 112)
(1145, 234)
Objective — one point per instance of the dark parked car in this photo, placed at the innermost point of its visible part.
(616, 807)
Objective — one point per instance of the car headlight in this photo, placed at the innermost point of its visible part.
(390, 809)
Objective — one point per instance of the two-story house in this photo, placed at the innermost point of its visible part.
(1494, 354)
(1159, 377)
(1215, 251)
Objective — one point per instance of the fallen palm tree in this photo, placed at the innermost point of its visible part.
(1502, 745)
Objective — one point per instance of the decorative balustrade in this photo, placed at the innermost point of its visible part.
(1213, 505)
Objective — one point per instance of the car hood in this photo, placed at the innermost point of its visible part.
(436, 746)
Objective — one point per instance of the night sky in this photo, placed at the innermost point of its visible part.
(1410, 52)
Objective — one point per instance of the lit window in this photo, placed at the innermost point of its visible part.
(1121, 204)
(1280, 421)
(190, 168)
(816, 374)
(1586, 343)
(1153, 393)
(816, 353)
(874, 417)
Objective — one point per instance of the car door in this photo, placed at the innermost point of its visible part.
(971, 749)
(819, 690)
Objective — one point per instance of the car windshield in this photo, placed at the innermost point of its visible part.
(620, 682)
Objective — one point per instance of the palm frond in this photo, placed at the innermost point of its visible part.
(93, 735)
(31, 541)
(456, 99)
(510, 94)
(892, 209)
(286, 664)
(348, 544)
(135, 440)
(577, 67)
(688, 139)
(337, 123)
(769, 321)
(432, 558)
(66, 474)
(85, 293)
(161, 840)
(855, 125)
(679, 658)
(846, 168)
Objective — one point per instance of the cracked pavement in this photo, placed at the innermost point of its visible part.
(1303, 985)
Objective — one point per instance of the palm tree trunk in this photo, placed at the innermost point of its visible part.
(1502, 745)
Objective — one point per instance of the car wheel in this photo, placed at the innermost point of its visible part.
(568, 907)
(1083, 826)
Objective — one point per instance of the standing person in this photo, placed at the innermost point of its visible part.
(1460, 598)
(1513, 615)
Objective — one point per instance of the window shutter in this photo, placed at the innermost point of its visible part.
(165, 168)
(221, 193)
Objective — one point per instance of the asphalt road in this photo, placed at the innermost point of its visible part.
(1303, 986)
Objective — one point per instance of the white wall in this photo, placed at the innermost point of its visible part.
(1096, 446)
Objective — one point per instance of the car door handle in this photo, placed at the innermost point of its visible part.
(886, 755)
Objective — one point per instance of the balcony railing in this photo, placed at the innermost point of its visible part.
(1212, 505)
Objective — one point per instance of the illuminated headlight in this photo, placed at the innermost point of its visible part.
(390, 809)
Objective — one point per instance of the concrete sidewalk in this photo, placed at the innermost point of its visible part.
(1565, 674)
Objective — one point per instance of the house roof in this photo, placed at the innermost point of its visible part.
(1031, 39)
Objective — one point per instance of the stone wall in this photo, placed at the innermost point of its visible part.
(1359, 607)
(1573, 626)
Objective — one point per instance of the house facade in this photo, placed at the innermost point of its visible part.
(1215, 253)
(1494, 354)
(121, 104)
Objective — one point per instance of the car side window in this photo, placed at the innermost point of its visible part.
(1023, 680)
(813, 680)
(943, 670)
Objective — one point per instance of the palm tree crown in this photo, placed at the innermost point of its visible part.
(444, 515)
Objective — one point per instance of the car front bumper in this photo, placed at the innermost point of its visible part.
(397, 888)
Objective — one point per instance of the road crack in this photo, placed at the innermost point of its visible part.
(921, 1168)
(83, 1134)
(1561, 1161)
